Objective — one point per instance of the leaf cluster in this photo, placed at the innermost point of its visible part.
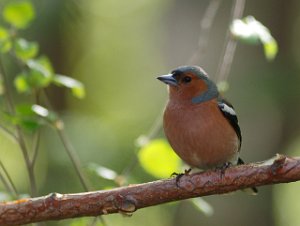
(36, 70)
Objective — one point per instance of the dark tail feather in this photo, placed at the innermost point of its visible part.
(253, 190)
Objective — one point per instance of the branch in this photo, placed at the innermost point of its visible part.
(280, 169)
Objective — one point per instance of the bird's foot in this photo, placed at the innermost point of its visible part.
(179, 175)
(223, 167)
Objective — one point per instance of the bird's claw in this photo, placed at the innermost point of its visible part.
(223, 167)
(179, 175)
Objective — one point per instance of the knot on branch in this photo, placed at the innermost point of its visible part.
(278, 163)
(125, 204)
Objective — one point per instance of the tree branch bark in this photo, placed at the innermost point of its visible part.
(280, 169)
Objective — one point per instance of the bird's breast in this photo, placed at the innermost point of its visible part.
(200, 134)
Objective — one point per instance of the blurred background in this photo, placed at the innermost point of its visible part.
(117, 49)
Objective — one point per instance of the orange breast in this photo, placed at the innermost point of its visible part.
(200, 134)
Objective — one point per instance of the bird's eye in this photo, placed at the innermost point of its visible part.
(186, 79)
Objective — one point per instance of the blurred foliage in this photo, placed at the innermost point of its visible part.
(33, 75)
(158, 159)
(19, 13)
(117, 49)
(251, 31)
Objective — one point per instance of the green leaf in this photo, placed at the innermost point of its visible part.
(24, 110)
(25, 118)
(35, 112)
(19, 13)
(21, 83)
(270, 49)
(244, 31)
(25, 50)
(30, 124)
(39, 75)
(251, 31)
(76, 87)
(36, 77)
(44, 113)
(31, 117)
(46, 63)
(158, 159)
(5, 42)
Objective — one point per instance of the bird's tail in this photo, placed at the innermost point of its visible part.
(253, 190)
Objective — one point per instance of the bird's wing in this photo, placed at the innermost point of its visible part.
(229, 113)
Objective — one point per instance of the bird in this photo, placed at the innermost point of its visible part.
(201, 126)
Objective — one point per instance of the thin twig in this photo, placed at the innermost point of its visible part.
(59, 127)
(35, 147)
(72, 155)
(13, 189)
(127, 200)
(30, 169)
(6, 185)
(205, 28)
(37, 135)
(20, 137)
(8, 132)
(230, 44)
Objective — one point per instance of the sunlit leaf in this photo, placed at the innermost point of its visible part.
(19, 13)
(37, 76)
(251, 31)
(31, 117)
(25, 50)
(40, 67)
(21, 83)
(25, 118)
(46, 63)
(39, 110)
(203, 206)
(271, 49)
(40, 73)
(158, 159)
(5, 42)
(243, 31)
(103, 172)
(3, 33)
(76, 87)
(44, 113)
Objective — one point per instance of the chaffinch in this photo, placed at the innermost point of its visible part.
(199, 124)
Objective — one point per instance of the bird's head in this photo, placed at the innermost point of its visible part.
(190, 83)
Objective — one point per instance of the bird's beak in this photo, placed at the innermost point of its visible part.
(168, 79)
